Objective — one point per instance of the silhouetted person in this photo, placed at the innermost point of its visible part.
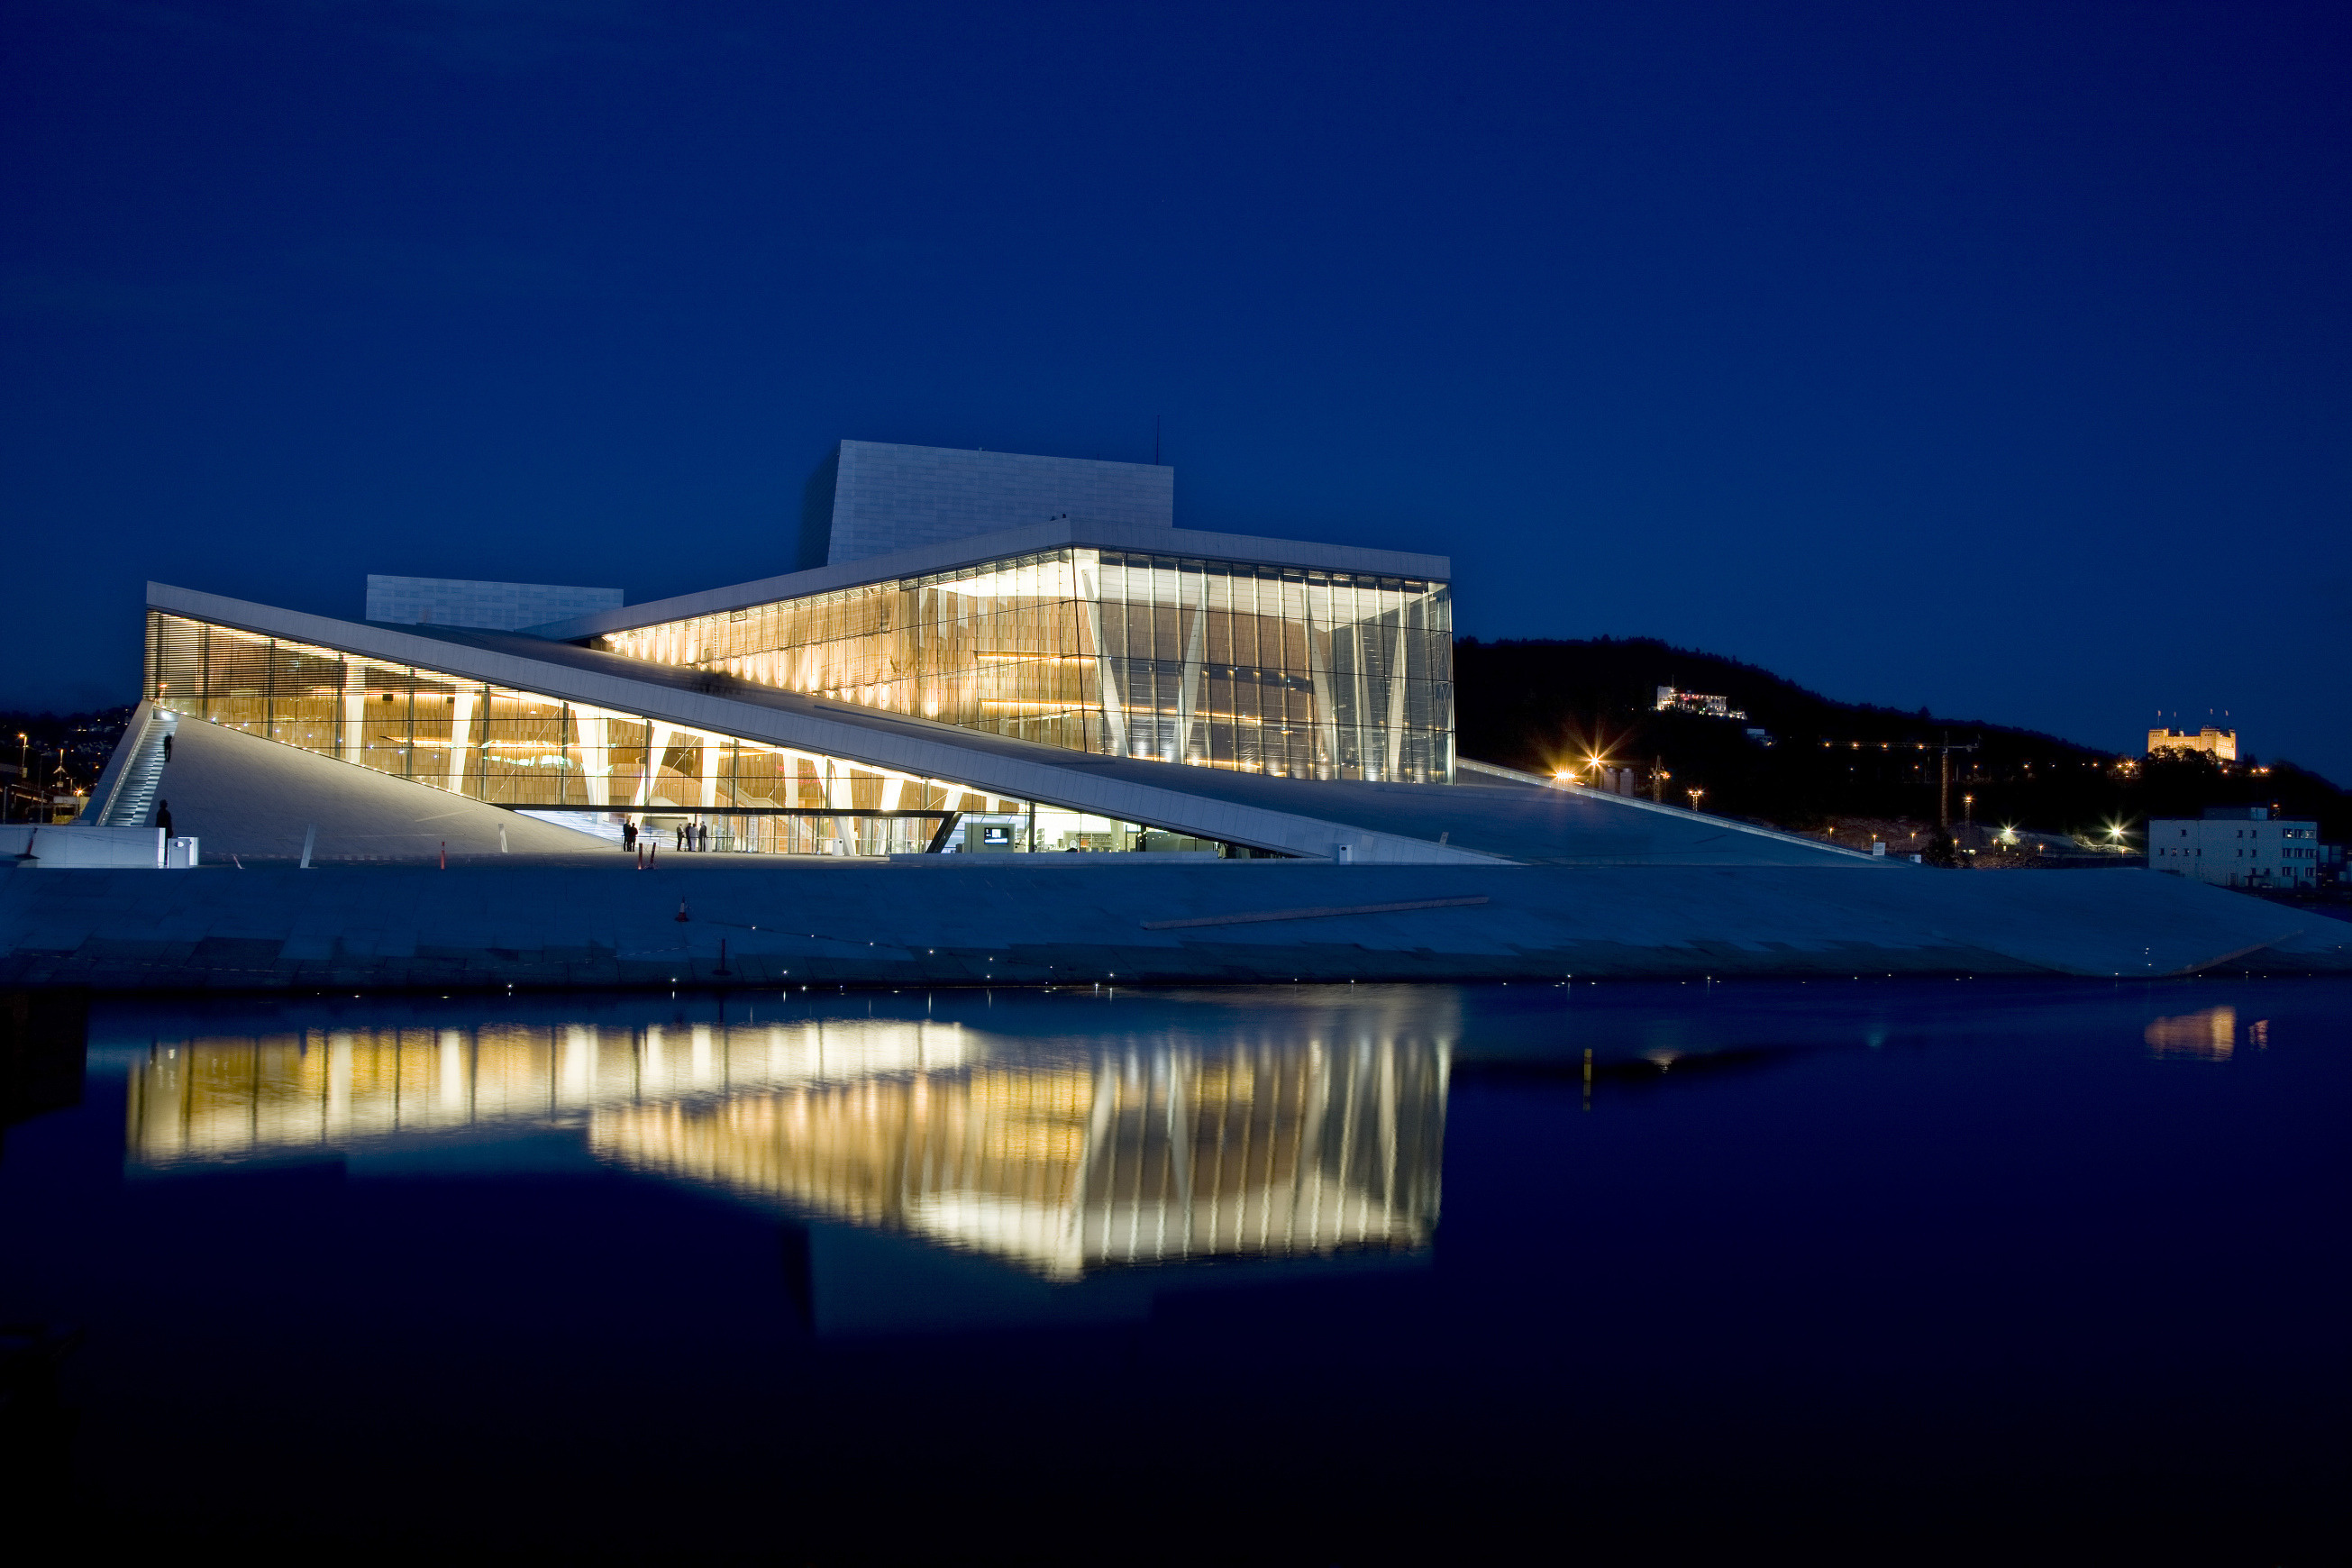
(681, 836)
(163, 817)
(629, 836)
(702, 836)
(167, 748)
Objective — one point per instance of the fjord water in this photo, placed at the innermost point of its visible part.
(1896, 1269)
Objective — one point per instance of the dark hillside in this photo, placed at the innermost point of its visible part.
(60, 752)
(1545, 706)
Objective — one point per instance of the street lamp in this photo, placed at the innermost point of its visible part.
(1695, 796)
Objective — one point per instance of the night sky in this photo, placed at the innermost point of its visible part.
(1994, 359)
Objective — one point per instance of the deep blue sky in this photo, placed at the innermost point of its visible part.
(1990, 358)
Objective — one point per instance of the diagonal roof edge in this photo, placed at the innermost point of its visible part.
(1000, 766)
(981, 547)
(1736, 825)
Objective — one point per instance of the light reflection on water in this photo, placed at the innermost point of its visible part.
(679, 1269)
(1319, 1135)
(2209, 1035)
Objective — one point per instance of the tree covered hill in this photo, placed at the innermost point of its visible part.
(1546, 706)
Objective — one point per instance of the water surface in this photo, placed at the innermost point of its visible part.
(1316, 1273)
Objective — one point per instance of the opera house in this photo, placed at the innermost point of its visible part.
(1044, 602)
(1002, 722)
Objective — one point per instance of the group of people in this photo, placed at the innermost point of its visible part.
(690, 835)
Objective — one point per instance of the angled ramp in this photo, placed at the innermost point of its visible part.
(253, 799)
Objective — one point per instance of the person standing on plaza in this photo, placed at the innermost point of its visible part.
(163, 817)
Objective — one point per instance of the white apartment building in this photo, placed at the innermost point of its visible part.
(2237, 847)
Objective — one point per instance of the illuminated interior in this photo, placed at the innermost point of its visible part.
(1282, 670)
(1063, 1165)
(526, 750)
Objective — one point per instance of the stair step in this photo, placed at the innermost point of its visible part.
(133, 804)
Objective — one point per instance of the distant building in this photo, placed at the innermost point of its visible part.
(2239, 847)
(2221, 744)
(1696, 702)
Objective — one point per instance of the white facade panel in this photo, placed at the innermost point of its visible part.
(891, 497)
(486, 606)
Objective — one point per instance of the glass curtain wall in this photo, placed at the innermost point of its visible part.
(521, 749)
(1280, 671)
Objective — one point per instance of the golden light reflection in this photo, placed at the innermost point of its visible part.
(323, 1088)
(2210, 1036)
(1063, 1165)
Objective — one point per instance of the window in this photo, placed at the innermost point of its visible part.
(529, 751)
(1221, 664)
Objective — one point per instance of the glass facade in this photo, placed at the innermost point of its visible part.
(1282, 670)
(526, 750)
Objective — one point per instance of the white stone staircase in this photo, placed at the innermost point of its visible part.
(132, 802)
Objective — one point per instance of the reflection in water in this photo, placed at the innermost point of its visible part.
(1125, 1159)
(1063, 1161)
(2210, 1036)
